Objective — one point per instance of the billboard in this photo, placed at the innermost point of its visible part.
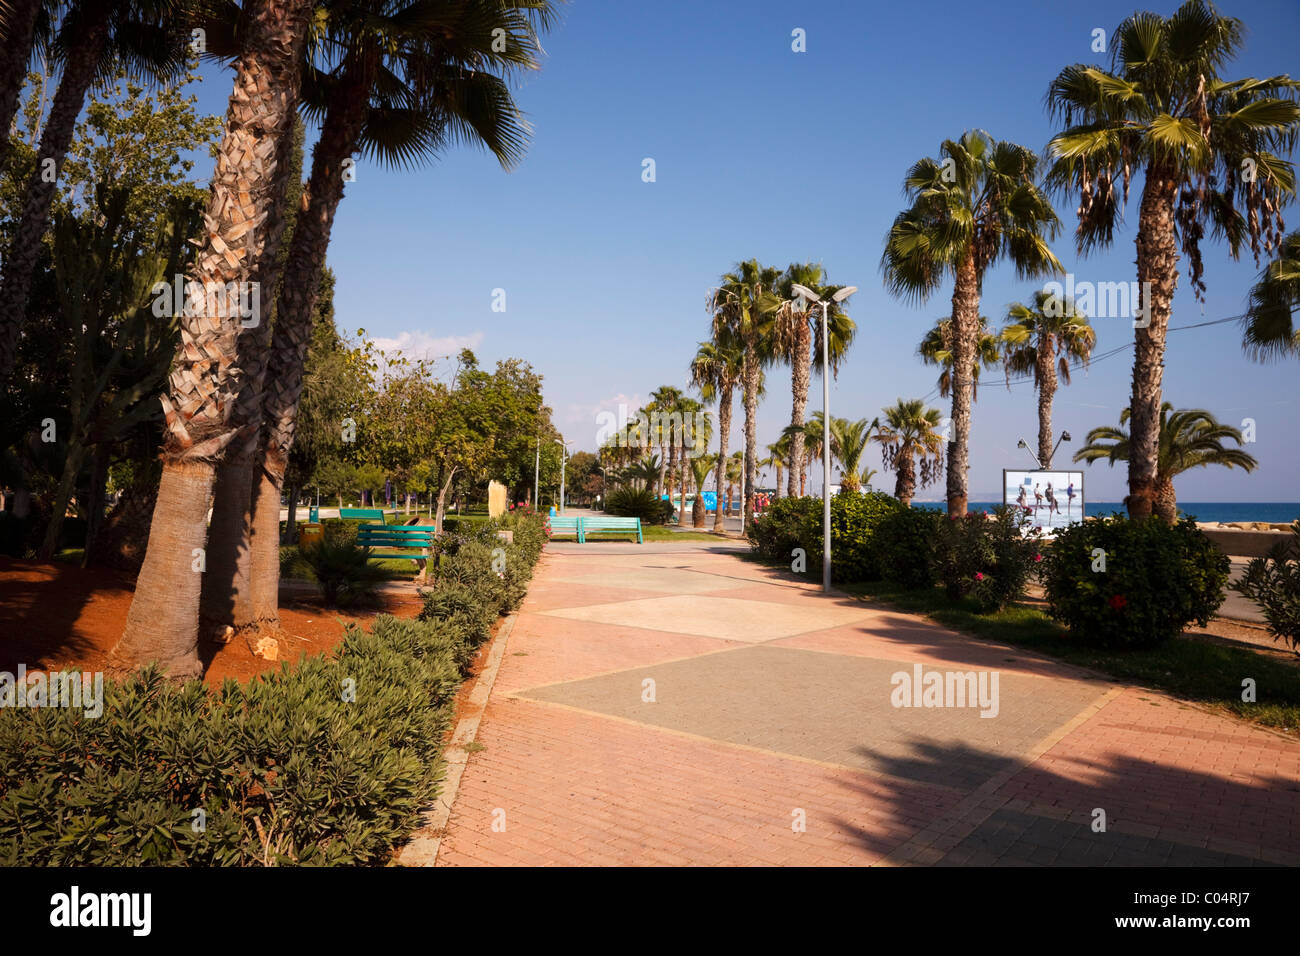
(1048, 498)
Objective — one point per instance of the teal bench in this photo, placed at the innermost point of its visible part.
(564, 524)
(602, 525)
(363, 514)
(414, 541)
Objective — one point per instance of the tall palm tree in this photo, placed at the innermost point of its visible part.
(849, 441)
(936, 349)
(735, 474)
(20, 29)
(413, 80)
(715, 371)
(94, 38)
(1208, 149)
(1042, 339)
(779, 455)
(744, 306)
(812, 446)
(664, 403)
(911, 431)
(1188, 438)
(1269, 329)
(795, 343)
(689, 443)
(976, 204)
(247, 188)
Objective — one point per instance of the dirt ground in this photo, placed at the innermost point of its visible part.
(61, 616)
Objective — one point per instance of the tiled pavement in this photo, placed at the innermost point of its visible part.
(679, 705)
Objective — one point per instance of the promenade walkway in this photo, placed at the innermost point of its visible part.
(675, 704)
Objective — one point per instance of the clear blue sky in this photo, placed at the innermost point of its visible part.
(763, 152)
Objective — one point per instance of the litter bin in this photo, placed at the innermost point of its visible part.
(310, 535)
(313, 515)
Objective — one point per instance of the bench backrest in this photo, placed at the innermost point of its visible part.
(396, 536)
(364, 514)
(611, 524)
(564, 522)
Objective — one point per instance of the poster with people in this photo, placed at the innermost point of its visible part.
(1049, 499)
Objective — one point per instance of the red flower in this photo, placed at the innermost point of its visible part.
(979, 575)
(1118, 601)
(1037, 558)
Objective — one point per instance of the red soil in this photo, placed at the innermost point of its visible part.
(61, 616)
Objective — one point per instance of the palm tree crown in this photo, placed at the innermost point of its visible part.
(1269, 328)
(910, 430)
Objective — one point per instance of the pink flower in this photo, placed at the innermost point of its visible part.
(1038, 557)
(979, 575)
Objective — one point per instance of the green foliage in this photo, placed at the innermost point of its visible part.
(1158, 578)
(989, 558)
(344, 571)
(907, 539)
(783, 526)
(1274, 584)
(855, 517)
(631, 502)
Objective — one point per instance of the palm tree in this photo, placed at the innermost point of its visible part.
(936, 349)
(1042, 340)
(1188, 438)
(849, 441)
(247, 187)
(910, 430)
(690, 443)
(21, 23)
(412, 80)
(666, 419)
(795, 343)
(778, 455)
(812, 446)
(735, 473)
(1269, 329)
(95, 38)
(700, 467)
(1208, 150)
(715, 371)
(744, 306)
(977, 204)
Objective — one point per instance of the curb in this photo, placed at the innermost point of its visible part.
(424, 844)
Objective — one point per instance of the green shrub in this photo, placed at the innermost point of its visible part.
(855, 517)
(906, 540)
(344, 572)
(988, 557)
(1274, 584)
(785, 525)
(638, 503)
(1158, 579)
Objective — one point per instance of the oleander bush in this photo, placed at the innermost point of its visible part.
(1274, 584)
(785, 525)
(906, 540)
(986, 556)
(329, 762)
(1158, 578)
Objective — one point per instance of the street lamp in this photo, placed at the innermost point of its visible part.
(564, 457)
(1065, 436)
(813, 297)
(1025, 445)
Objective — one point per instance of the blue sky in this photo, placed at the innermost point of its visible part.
(763, 152)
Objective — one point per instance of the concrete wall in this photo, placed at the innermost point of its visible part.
(1246, 544)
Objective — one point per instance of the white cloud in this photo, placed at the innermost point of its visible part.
(581, 421)
(422, 345)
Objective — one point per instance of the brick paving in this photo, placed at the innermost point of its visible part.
(681, 706)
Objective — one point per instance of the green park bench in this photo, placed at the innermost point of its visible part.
(363, 514)
(604, 525)
(414, 541)
(564, 524)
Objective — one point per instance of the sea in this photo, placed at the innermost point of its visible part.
(1273, 512)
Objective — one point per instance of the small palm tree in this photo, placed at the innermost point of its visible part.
(735, 474)
(1211, 154)
(974, 205)
(715, 371)
(849, 441)
(1189, 438)
(910, 430)
(812, 446)
(936, 349)
(1042, 340)
(700, 467)
(1269, 328)
(778, 455)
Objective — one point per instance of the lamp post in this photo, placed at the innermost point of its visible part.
(564, 457)
(1065, 436)
(1025, 445)
(814, 298)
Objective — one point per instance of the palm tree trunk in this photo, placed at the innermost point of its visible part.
(800, 379)
(295, 308)
(87, 47)
(905, 486)
(1157, 263)
(1046, 391)
(966, 318)
(206, 377)
(751, 373)
(14, 57)
(1166, 503)
(724, 435)
(672, 467)
(227, 586)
